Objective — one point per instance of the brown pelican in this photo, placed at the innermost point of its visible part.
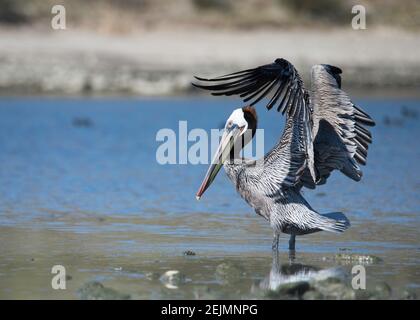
(324, 131)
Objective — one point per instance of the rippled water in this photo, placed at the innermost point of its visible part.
(80, 186)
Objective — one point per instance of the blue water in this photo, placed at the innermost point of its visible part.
(50, 165)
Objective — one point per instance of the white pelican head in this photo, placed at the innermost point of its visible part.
(239, 130)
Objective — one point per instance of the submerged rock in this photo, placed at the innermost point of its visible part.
(334, 289)
(409, 113)
(408, 294)
(97, 291)
(313, 295)
(393, 121)
(82, 122)
(206, 293)
(229, 272)
(382, 291)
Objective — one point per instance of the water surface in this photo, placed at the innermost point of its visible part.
(80, 187)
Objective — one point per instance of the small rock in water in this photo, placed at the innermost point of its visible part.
(334, 289)
(409, 294)
(205, 293)
(229, 272)
(97, 291)
(189, 253)
(312, 295)
(382, 291)
(82, 122)
(409, 113)
(398, 122)
(172, 279)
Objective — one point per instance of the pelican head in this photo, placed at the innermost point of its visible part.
(239, 130)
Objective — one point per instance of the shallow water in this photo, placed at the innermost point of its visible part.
(80, 187)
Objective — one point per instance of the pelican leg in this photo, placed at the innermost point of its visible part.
(275, 266)
(292, 256)
(292, 242)
(275, 245)
(292, 252)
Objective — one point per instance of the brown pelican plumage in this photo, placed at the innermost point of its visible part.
(324, 132)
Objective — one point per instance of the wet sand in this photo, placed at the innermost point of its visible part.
(133, 263)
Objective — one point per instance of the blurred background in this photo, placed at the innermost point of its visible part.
(145, 47)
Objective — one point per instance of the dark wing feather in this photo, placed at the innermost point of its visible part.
(279, 81)
(275, 80)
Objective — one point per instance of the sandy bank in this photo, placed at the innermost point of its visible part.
(163, 62)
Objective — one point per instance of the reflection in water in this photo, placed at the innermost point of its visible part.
(292, 272)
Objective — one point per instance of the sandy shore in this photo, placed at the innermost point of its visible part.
(163, 62)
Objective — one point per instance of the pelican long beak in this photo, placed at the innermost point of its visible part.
(227, 142)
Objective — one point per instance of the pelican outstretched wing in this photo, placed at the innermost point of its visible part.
(341, 139)
(325, 131)
(279, 81)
